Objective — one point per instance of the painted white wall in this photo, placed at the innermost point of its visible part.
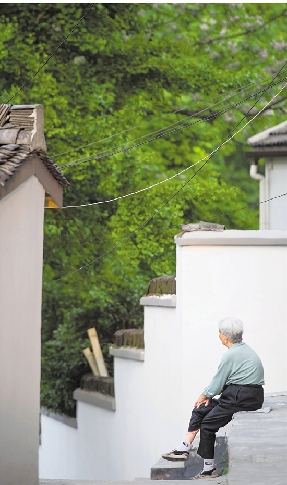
(247, 282)
(123, 444)
(154, 398)
(21, 248)
(276, 184)
(55, 435)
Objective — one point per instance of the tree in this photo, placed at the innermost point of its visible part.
(126, 74)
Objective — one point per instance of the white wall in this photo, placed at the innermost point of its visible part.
(276, 184)
(123, 444)
(247, 282)
(21, 247)
(233, 274)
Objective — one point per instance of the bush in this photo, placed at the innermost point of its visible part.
(63, 362)
(63, 365)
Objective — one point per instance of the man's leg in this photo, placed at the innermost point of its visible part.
(181, 452)
(233, 399)
(198, 414)
(217, 418)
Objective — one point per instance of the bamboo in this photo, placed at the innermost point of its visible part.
(92, 361)
(97, 351)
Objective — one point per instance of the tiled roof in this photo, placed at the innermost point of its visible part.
(273, 137)
(21, 137)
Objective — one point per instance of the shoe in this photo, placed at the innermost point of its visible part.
(176, 455)
(208, 474)
(181, 453)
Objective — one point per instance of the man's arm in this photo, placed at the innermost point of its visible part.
(202, 399)
(216, 385)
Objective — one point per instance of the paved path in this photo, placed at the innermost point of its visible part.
(147, 481)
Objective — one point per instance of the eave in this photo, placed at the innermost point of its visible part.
(33, 166)
(267, 152)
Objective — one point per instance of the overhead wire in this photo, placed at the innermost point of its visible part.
(140, 190)
(157, 211)
(53, 53)
(133, 232)
(184, 125)
(234, 93)
(253, 205)
(161, 135)
(219, 216)
(132, 193)
(50, 57)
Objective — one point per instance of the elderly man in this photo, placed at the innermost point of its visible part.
(239, 380)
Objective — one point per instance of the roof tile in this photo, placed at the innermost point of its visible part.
(18, 125)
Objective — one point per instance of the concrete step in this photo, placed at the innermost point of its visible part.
(170, 470)
(257, 444)
(257, 450)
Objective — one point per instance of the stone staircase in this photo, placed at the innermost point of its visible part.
(257, 451)
(169, 470)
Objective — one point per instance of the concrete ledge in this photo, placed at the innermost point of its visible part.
(168, 470)
(72, 422)
(257, 444)
(159, 300)
(232, 238)
(275, 394)
(128, 353)
(95, 399)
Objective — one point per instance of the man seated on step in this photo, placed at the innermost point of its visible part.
(239, 380)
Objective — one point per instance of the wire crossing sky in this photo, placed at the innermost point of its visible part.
(157, 211)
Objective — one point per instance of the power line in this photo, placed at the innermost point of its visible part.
(133, 232)
(253, 205)
(211, 40)
(53, 53)
(157, 211)
(174, 195)
(248, 206)
(135, 127)
(164, 133)
(133, 193)
(238, 91)
(145, 188)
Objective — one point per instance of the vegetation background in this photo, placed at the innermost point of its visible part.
(126, 71)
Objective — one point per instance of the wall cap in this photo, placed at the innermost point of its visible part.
(68, 421)
(159, 300)
(95, 399)
(128, 353)
(233, 238)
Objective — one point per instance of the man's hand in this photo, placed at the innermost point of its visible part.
(201, 400)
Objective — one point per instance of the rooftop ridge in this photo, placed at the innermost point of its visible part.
(21, 137)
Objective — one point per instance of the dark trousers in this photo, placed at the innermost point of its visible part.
(219, 412)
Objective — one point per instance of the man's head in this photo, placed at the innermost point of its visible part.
(232, 329)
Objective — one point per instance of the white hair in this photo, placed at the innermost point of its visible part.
(232, 328)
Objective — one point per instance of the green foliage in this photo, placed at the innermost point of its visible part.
(62, 366)
(63, 363)
(128, 70)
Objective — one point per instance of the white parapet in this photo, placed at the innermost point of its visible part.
(158, 300)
